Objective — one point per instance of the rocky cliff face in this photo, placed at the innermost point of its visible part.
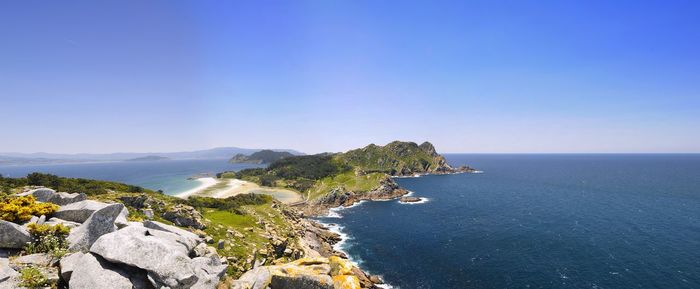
(399, 159)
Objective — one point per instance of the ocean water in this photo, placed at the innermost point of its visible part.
(537, 221)
(171, 176)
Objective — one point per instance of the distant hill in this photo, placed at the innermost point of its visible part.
(39, 158)
(147, 159)
(397, 158)
(261, 157)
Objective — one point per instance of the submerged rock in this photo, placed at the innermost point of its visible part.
(410, 199)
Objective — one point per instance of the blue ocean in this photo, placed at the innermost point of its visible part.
(529, 221)
(537, 221)
(171, 176)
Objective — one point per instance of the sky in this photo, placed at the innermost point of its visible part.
(330, 75)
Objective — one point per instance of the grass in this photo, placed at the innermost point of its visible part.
(348, 180)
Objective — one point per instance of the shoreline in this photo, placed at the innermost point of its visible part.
(224, 188)
(204, 184)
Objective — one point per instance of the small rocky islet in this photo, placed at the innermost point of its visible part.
(144, 239)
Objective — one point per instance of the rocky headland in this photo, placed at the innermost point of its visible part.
(108, 235)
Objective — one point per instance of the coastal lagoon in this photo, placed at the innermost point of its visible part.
(171, 176)
(537, 221)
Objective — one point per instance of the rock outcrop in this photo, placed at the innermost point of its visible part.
(79, 212)
(13, 236)
(185, 216)
(51, 196)
(92, 271)
(311, 273)
(99, 223)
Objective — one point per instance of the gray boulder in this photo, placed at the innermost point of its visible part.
(187, 238)
(50, 196)
(68, 264)
(257, 278)
(5, 271)
(157, 252)
(56, 221)
(39, 259)
(80, 211)
(13, 236)
(99, 223)
(92, 272)
(40, 194)
(209, 271)
(63, 199)
(185, 216)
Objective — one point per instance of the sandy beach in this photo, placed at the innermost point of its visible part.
(205, 183)
(224, 188)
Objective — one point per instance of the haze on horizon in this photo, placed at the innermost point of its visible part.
(317, 76)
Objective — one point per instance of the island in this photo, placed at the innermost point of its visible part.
(148, 159)
(260, 157)
(79, 233)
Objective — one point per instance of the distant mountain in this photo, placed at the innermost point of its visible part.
(261, 157)
(39, 158)
(147, 159)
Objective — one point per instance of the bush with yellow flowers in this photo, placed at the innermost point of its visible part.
(48, 239)
(20, 209)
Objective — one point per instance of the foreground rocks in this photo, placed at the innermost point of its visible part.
(308, 273)
(107, 251)
(13, 236)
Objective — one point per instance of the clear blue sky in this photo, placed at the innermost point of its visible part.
(470, 76)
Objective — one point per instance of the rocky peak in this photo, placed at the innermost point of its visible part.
(428, 148)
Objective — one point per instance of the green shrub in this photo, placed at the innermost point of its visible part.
(20, 209)
(32, 278)
(231, 203)
(48, 239)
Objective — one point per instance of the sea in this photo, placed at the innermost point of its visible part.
(528, 221)
(536, 221)
(170, 176)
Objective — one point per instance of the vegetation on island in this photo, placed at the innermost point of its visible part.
(260, 157)
(358, 170)
(68, 185)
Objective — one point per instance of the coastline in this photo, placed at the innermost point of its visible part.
(224, 188)
(204, 184)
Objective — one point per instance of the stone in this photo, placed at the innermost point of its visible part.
(99, 223)
(56, 221)
(209, 271)
(189, 239)
(80, 211)
(13, 236)
(301, 281)
(376, 279)
(185, 216)
(41, 220)
(221, 244)
(63, 199)
(346, 282)
(410, 199)
(209, 240)
(202, 250)
(340, 266)
(92, 272)
(6, 272)
(163, 258)
(258, 278)
(148, 213)
(68, 264)
(40, 194)
(39, 259)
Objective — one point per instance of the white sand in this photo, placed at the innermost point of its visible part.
(233, 187)
(204, 184)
